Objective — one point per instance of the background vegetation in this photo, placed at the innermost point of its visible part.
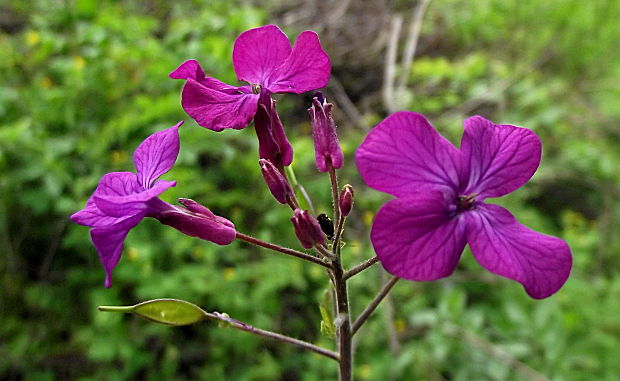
(82, 82)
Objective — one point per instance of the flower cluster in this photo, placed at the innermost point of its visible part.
(420, 235)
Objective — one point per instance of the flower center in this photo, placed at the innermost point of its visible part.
(256, 88)
(465, 203)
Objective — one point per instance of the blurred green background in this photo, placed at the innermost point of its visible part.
(83, 82)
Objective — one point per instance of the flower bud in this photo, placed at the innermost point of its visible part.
(272, 142)
(307, 229)
(326, 147)
(198, 221)
(277, 184)
(346, 200)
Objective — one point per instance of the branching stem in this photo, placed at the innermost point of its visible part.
(361, 267)
(373, 305)
(271, 335)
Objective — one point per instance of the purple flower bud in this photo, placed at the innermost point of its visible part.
(307, 229)
(272, 141)
(277, 184)
(196, 220)
(326, 147)
(346, 200)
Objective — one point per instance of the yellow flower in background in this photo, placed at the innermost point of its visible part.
(78, 62)
(32, 37)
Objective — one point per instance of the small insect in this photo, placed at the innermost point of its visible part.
(326, 225)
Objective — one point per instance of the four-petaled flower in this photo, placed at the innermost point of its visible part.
(263, 57)
(439, 206)
(123, 199)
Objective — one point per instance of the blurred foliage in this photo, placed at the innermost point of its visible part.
(82, 82)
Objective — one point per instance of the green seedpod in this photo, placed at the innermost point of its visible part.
(164, 311)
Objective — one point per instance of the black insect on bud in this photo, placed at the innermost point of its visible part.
(326, 225)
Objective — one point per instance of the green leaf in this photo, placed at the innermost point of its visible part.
(328, 328)
(164, 311)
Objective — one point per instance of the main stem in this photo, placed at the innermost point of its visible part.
(343, 323)
(343, 318)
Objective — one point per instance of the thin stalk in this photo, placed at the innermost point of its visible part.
(271, 335)
(361, 267)
(324, 252)
(335, 194)
(339, 230)
(281, 249)
(373, 305)
(293, 179)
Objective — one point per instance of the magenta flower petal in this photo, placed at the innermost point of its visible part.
(258, 52)
(306, 68)
(404, 154)
(108, 241)
(541, 263)
(501, 157)
(188, 69)
(127, 205)
(415, 238)
(156, 155)
(191, 70)
(216, 110)
(92, 216)
(118, 184)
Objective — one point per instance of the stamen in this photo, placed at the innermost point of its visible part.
(465, 203)
(256, 88)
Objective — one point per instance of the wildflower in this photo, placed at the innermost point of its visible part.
(307, 229)
(326, 148)
(123, 199)
(439, 206)
(263, 57)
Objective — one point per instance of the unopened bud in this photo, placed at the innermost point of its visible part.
(196, 220)
(307, 229)
(277, 184)
(272, 141)
(326, 147)
(346, 200)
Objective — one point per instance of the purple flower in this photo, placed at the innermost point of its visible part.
(263, 57)
(123, 199)
(439, 206)
(326, 148)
